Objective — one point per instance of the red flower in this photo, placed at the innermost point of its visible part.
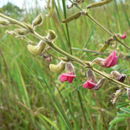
(89, 84)
(111, 60)
(123, 36)
(67, 77)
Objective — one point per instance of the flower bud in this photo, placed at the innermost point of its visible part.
(51, 35)
(100, 83)
(57, 68)
(36, 49)
(116, 75)
(122, 36)
(91, 75)
(116, 95)
(37, 21)
(70, 67)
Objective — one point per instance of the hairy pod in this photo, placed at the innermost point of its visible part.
(51, 35)
(57, 68)
(97, 4)
(37, 21)
(73, 17)
(36, 49)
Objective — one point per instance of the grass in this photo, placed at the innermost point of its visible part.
(32, 98)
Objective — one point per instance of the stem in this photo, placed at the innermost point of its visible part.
(13, 21)
(106, 30)
(111, 79)
(95, 21)
(86, 64)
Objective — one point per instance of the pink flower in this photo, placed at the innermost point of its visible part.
(67, 77)
(111, 60)
(89, 84)
(123, 36)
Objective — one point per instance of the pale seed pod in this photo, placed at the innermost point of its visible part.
(4, 22)
(51, 35)
(36, 49)
(57, 68)
(97, 4)
(37, 21)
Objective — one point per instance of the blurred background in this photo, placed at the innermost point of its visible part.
(32, 97)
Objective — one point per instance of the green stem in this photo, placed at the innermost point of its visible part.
(59, 50)
(111, 79)
(95, 21)
(106, 30)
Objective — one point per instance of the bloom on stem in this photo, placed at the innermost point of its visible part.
(89, 84)
(111, 60)
(91, 81)
(67, 77)
(123, 36)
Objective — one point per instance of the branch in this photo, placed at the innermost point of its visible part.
(85, 64)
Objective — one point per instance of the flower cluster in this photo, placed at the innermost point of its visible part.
(91, 82)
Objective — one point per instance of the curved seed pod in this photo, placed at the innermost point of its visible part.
(36, 49)
(57, 68)
(97, 4)
(73, 17)
(51, 35)
(37, 21)
(4, 22)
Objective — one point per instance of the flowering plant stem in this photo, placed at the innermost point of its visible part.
(85, 64)
(106, 30)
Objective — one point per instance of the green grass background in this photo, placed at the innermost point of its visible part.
(32, 98)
